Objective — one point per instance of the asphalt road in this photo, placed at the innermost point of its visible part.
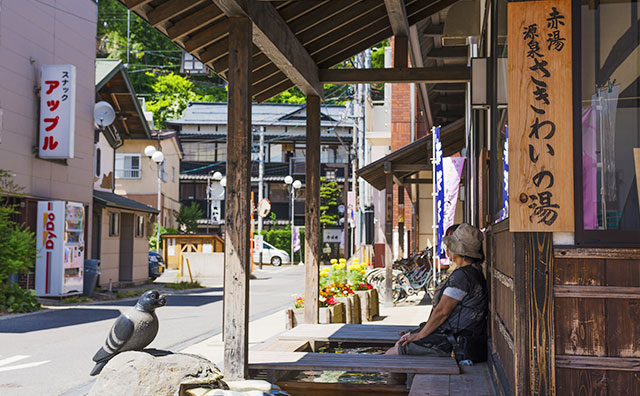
(49, 353)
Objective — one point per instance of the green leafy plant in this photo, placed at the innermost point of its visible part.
(281, 239)
(330, 195)
(153, 239)
(188, 217)
(14, 299)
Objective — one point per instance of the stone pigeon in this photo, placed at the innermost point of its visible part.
(133, 330)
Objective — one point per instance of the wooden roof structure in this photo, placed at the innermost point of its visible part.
(295, 41)
(114, 86)
(413, 158)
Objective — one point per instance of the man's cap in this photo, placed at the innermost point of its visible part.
(466, 240)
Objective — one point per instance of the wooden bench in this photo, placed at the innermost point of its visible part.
(473, 380)
(273, 361)
(339, 332)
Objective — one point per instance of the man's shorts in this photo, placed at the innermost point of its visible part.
(432, 345)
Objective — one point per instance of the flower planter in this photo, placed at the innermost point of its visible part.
(353, 311)
(333, 314)
(368, 304)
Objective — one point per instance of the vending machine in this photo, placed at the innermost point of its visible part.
(60, 241)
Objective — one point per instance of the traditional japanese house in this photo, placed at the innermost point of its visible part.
(563, 263)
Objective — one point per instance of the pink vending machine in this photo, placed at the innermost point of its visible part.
(60, 240)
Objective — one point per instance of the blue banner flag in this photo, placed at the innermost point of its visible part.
(505, 177)
(439, 192)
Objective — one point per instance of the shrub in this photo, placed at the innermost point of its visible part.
(14, 299)
(184, 285)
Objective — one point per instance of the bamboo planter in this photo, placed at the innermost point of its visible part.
(333, 314)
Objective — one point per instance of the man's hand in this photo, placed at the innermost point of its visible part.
(407, 338)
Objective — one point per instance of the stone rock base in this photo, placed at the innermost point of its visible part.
(155, 373)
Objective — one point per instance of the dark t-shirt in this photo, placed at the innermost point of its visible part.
(468, 286)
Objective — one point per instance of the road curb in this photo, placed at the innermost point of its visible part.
(47, 309)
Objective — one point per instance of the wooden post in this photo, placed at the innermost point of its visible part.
(236, 273)
(401, 221)
(388, 236)
(400, 51)
(312, 211)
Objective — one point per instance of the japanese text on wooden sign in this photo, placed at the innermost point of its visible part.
(57, 111)
(540, 116)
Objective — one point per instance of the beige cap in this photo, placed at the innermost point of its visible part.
(466, 240)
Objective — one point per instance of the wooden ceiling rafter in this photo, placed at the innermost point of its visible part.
(203, 17)
(327, 31)
(170, 9)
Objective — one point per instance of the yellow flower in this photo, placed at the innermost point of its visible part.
(356, 260)
(342, 260)
(363, 272)
(333, 261)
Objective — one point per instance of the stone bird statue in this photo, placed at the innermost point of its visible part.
(133, 330)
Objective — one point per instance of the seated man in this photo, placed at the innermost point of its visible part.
(459, 319)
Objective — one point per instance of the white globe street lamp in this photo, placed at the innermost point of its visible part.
(293, 186)
(217, 176)
(157, 157)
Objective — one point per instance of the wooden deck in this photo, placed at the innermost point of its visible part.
(339, 332)
(300, 361)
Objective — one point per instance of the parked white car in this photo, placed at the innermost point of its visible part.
(271, 255)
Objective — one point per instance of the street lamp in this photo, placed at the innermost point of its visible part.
(217, 176)
(293, 186)
(157, 157)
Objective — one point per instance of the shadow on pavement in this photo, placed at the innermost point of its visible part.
(177, 300)
(56, 318)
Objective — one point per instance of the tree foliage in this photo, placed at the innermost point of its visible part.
(188, 217)
(17, 250)
(330, 196)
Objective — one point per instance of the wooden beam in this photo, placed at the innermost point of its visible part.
(457, 52)
(312, 212)
(135, 4)
(430, 75)
(401, 51)
(410, 167)
(401, 212)
(397, 17)
(169, 9)
(418, 181)
(237, 260)
(195, 21)
(213, 33)
(272, 35)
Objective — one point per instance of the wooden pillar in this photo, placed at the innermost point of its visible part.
(312, 211)
(388, 236)
(401, 221)
(401, 51)
(237, 260)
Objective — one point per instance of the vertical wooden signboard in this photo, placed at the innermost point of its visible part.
(540, 117)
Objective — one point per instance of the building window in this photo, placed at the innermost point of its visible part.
(114, 224)
(278, 192)
(221, 152)
(140, 226)
(610, 115)
(342, 155)
(98, 158)
(275, 153)
(197, 151)
(128, 166)
(327, 154)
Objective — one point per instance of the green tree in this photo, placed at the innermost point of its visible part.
(17, 250)
(188, 217)
(172, 95)
(330, 196)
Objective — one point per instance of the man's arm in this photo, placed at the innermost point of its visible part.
(437, 318)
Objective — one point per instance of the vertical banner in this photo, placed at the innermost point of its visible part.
(296, 239)
(439, 180)
(504, 213)
(540, 116)
(57, 111)
(452, 168)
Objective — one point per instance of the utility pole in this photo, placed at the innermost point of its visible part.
(261, 184)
